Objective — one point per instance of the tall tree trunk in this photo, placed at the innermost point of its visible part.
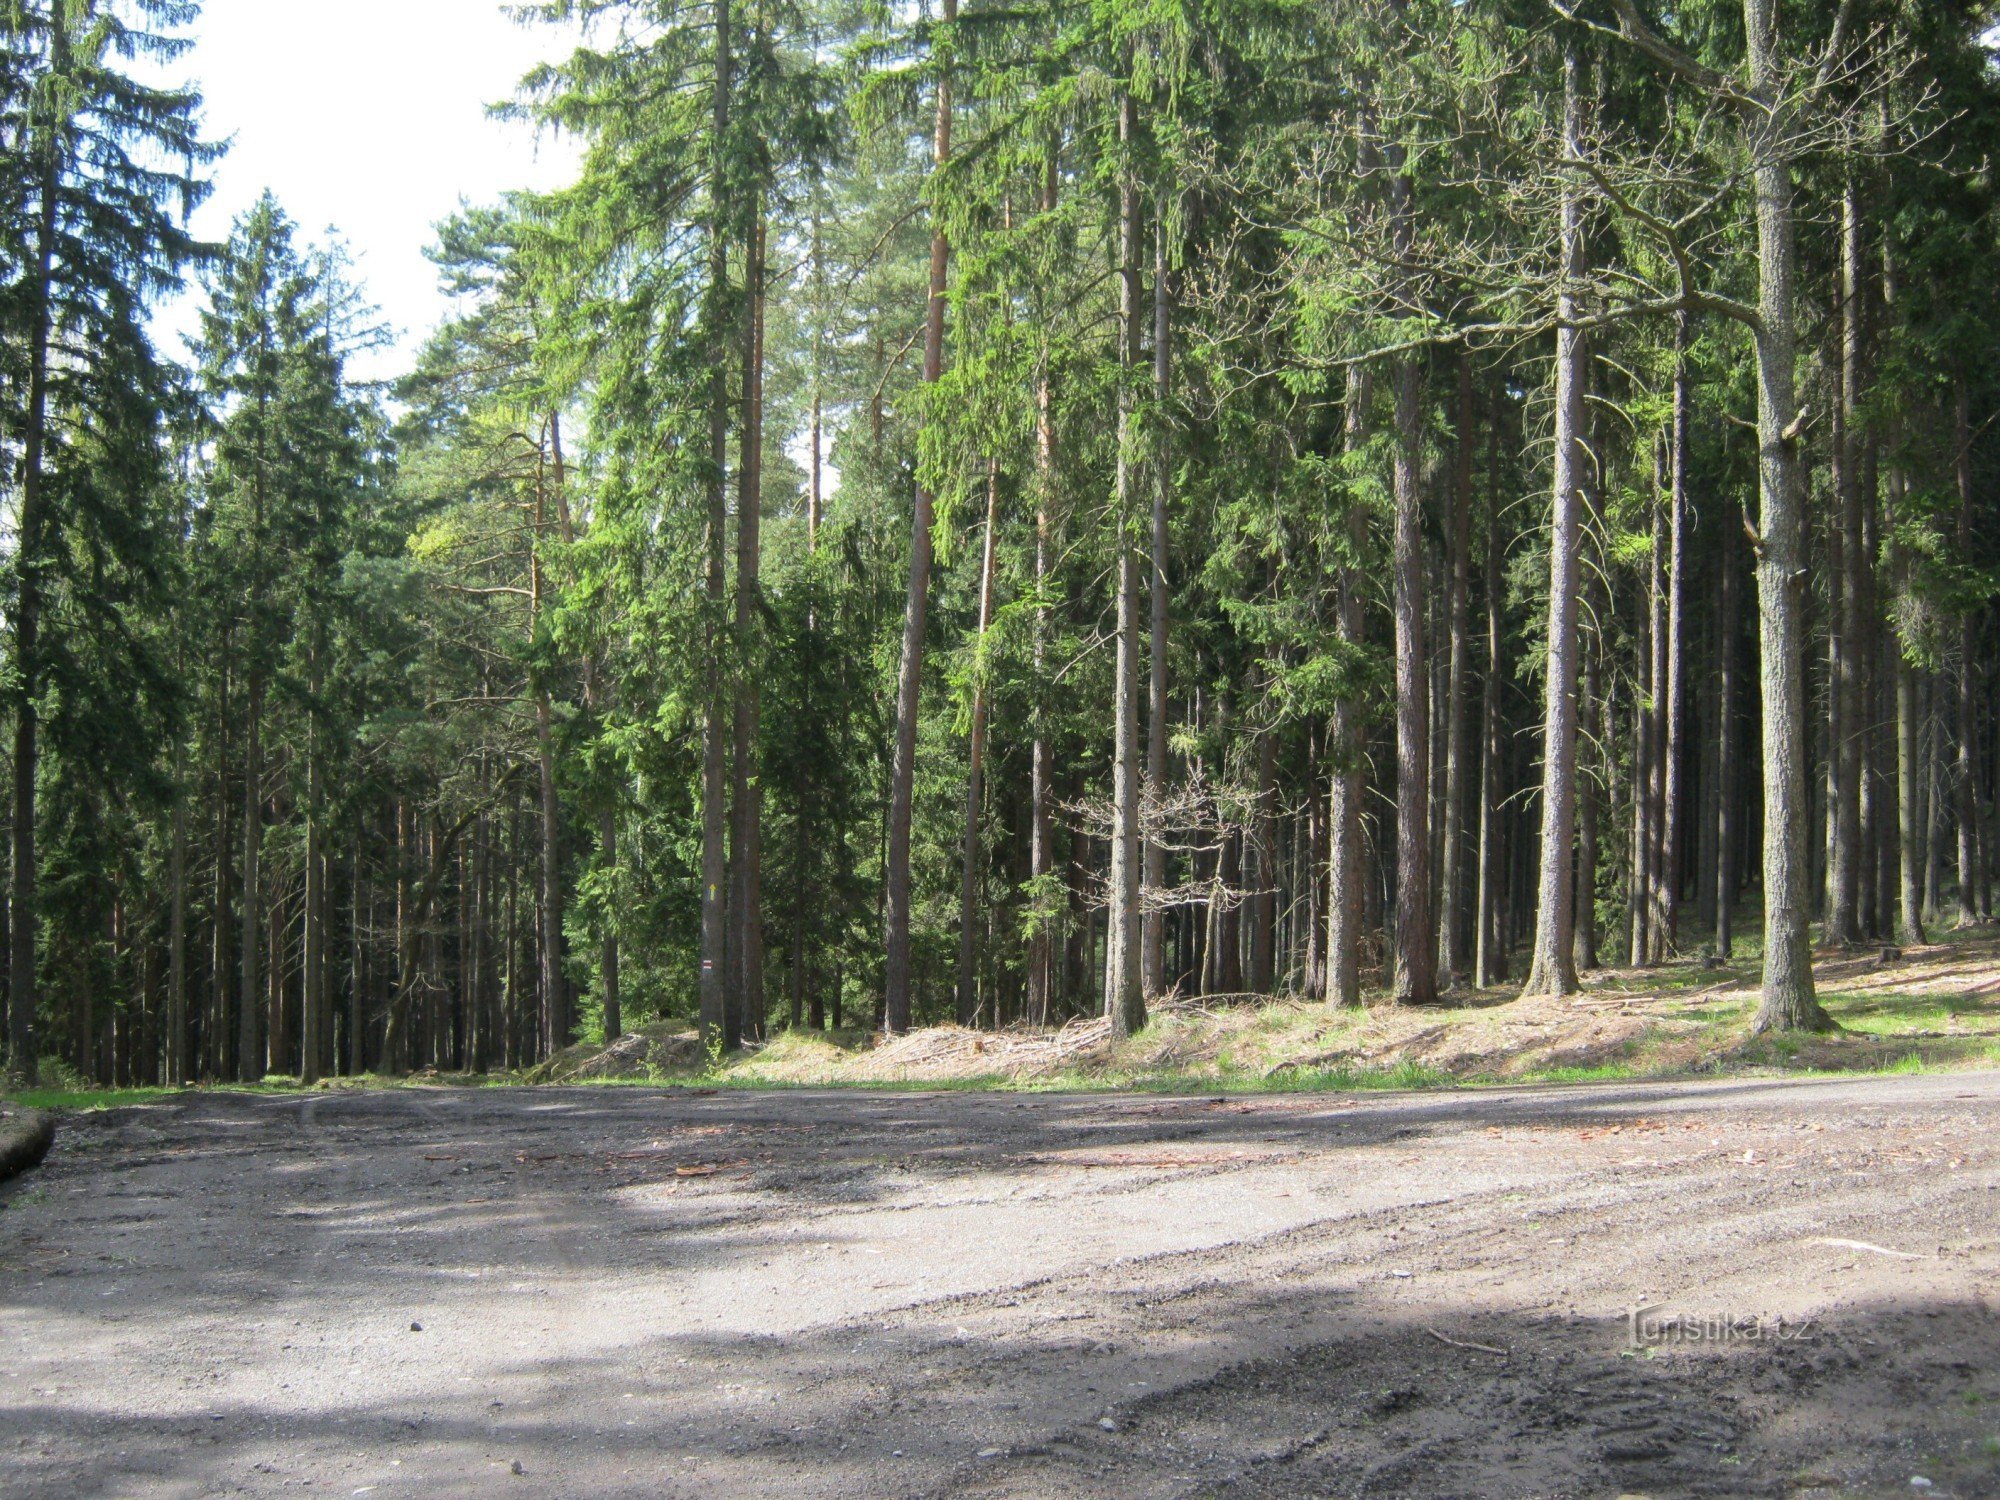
(1965, 783)
(1639, 898)
(1887, 846)
(975, 788)
(1869, 826)
(1672, 790)
(747, 800)
(1262, 905)
(1344, 886)
(1310, 874)
(1727, 656)
(1489, 962)
(896, 998)
(1932, 739)
(177, 975)
(478, 957)
(315, 1029)
(1041, 771)
(1988, 810)
(25, 932)
(802, 821)
(1590, 800)
(1905, 861)
(1451, 877)
(1655, 711)
(277, 1016)
(718, 1015)
(1224, 931)
(1593, 775)
(216, 1033)
(1708, 770)
(1153, 928)
(516, 1053)
(356, 1059)
(250, 1060)
(1552, 968)
(555, 1007)
(1909, 773)
(1851, 556)
(396, 1032)
(796, 1011)
(607, 954)
(1836, 849)
(1124, 994)
(1788, 1001)
(1416, 942)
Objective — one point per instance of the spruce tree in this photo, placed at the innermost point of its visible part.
(100, 175)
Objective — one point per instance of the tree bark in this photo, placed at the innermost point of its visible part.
(516, 1052)
(1672, 790)
(896, 998)
(1451, 877)
(1489, 950)
(315, 1030)
(1344, 886)
(250, 1060)
(1124, 994)
(1965, 782)
(1416, 941)
(215, 1034)
(718, 1021)
(1652, 709)
(1552, 967)
(177, 976)
(555, 1009)
(1261, 905)
(1728, 655)
(607, 958)
(1041, 771)
(1788, 1001)
(1153, 929)
(1313, 981)
(1909, 771)
(1590, 799)
(975, 787)
(747, 799)
(1930, 883)
(1709, 770)
(1638, 899)
(1843, 874)
(25, 933)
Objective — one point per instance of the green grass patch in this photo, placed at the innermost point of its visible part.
(84, 1098)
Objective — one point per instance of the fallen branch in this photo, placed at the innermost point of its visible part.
(1461, 1344)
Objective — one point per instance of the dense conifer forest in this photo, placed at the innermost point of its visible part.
(1000, 512)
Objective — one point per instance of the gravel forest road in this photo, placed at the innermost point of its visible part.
(655, 1292)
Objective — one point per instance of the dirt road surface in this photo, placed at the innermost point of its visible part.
(635, 1292)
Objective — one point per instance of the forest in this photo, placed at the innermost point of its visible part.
(1004, 513)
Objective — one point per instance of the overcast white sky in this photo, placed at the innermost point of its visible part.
(367, 118)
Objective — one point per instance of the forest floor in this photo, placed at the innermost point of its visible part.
(1936, 1006)
(433, 1291)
